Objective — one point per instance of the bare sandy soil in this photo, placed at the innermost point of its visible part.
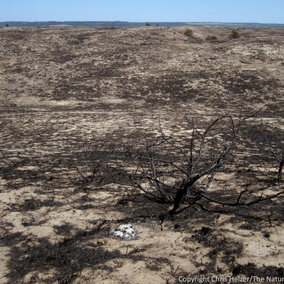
(71, 96)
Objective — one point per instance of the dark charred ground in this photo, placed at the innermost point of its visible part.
(71, 96)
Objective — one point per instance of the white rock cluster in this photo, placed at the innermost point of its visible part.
(125, 232)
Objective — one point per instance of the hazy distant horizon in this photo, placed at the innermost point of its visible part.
(127, 23)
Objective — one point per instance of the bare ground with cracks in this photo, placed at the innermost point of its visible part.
(71, 96)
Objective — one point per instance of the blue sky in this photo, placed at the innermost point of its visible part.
(261, 11)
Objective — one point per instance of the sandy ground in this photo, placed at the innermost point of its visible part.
(71, 96)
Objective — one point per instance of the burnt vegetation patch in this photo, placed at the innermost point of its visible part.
(225, 249)
(79, 138)
(10, 239)
(241, 82)
(172, 88)
(33, 204)
(251, 269)
(68, 257)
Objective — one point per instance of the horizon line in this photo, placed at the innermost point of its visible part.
(121, 21)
